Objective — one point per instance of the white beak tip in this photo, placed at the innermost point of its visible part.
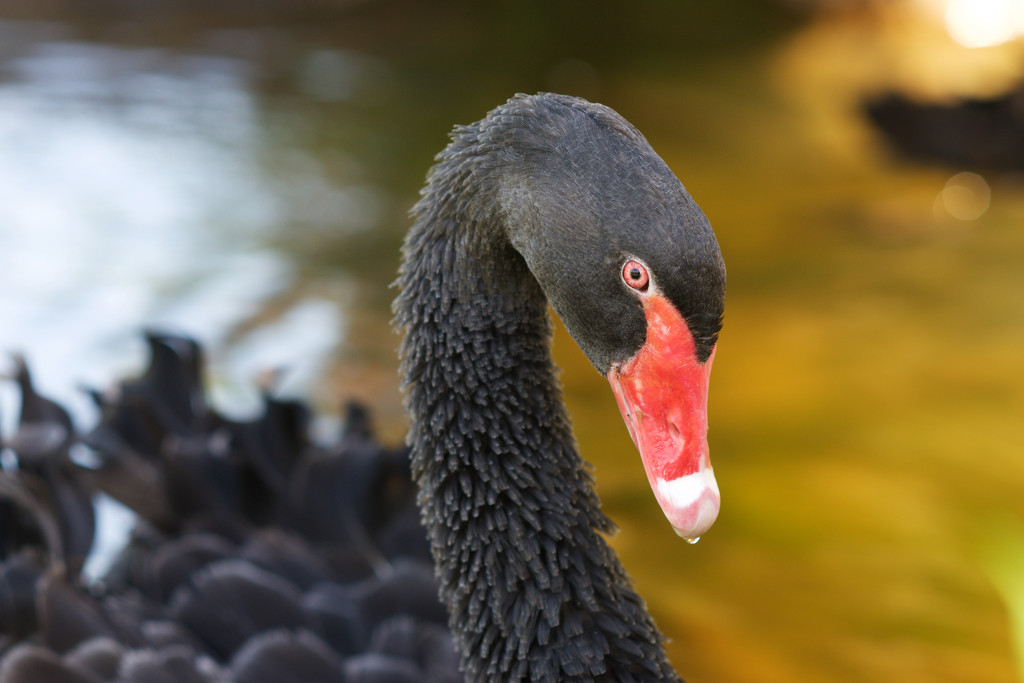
(691, 502)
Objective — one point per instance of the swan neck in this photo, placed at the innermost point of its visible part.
(513, 521)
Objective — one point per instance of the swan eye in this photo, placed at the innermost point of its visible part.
(635, 275)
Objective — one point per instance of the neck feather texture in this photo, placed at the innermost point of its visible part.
(534, 593)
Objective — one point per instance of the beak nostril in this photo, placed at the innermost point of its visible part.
(676, 433)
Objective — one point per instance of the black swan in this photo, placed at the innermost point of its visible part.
(552, 199)
(261, 556)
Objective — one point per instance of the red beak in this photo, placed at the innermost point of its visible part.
(663, 395)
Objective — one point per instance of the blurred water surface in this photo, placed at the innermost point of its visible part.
(245, 177)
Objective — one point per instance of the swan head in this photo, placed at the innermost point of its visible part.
(631, 265)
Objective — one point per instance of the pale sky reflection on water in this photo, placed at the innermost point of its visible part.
(116, 163)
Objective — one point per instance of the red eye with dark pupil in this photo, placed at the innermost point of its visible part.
(635, 275)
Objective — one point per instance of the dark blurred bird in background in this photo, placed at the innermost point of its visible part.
(257, 555)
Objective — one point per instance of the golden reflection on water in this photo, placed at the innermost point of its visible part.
(866, 399)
